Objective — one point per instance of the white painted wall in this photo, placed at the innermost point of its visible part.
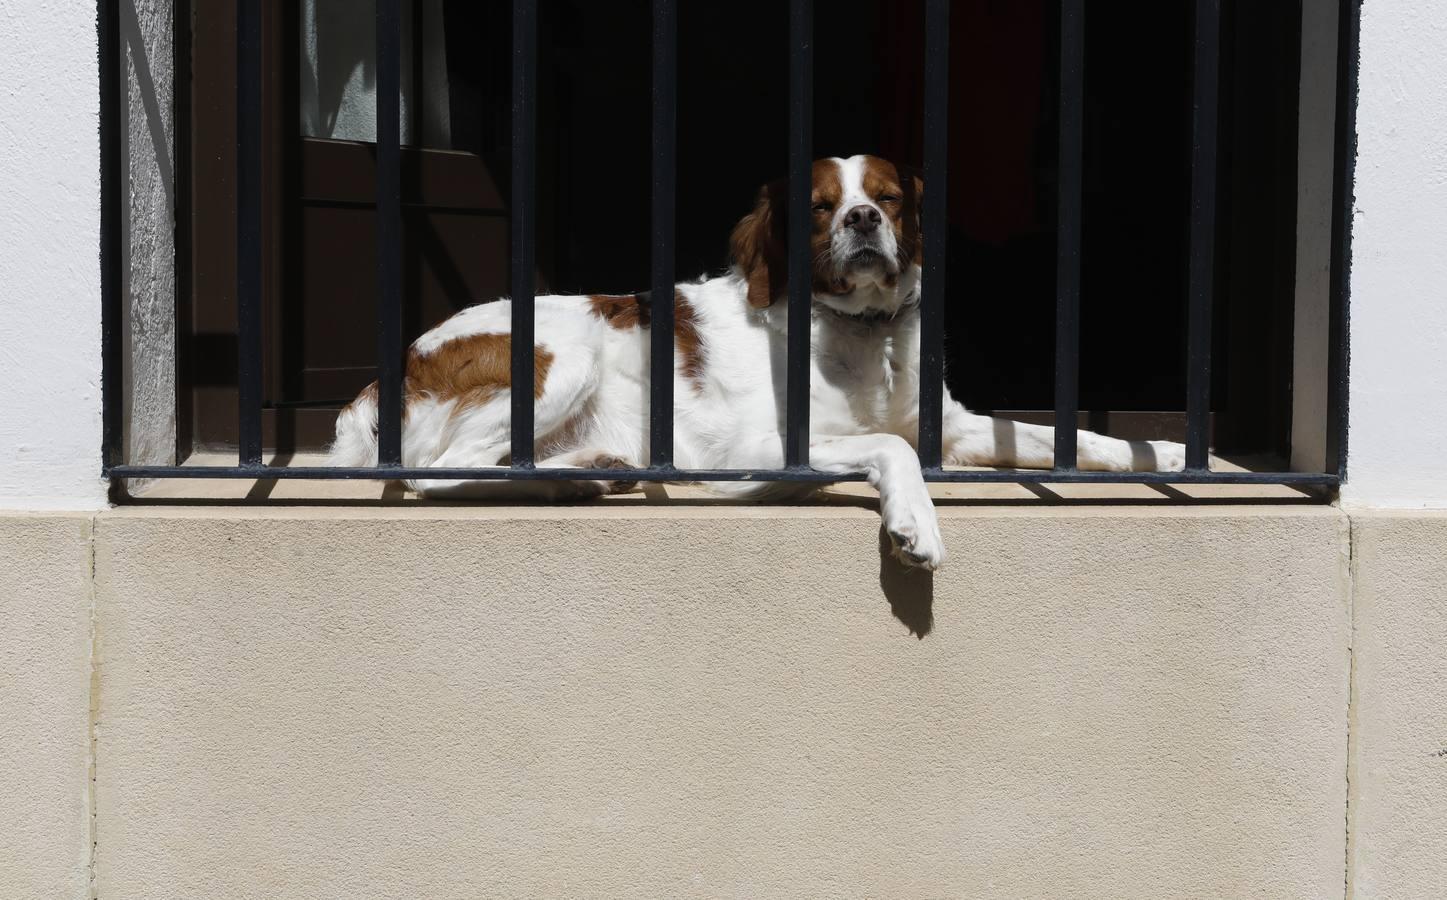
(50, 413)
(1399, 272)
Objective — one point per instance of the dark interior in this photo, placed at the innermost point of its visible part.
(593, 180)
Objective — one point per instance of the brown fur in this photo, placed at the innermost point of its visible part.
(633, 311)
(881, 179)
(758, 246)
(622, 311)
(471, 370)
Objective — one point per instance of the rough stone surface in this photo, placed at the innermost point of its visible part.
(150, 283)
(579, 702)
(44, 706)
(1399, 772)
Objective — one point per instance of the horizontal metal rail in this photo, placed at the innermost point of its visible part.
(807, 476)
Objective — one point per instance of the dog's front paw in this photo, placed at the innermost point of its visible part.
(914, 534)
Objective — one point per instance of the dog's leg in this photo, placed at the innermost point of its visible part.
(891, 466)
(483, 456)
(971, 440)
(590, 458)
(904, 501)
(521, 490)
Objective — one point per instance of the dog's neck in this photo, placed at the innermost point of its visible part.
(871, 315)
(777, 315)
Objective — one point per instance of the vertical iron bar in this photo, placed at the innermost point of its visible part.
(389, 232)
(111, 203)
(248, 229)
(418, 75)
(934, 225)
(524, 225)
(800, 217)
(1344, 182)
(1068, 231)
(182, 224)
(1203, 232)
(665, 169)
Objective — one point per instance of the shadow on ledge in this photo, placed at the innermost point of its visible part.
(910, 591)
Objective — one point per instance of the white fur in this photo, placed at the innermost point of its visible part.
(863, 399)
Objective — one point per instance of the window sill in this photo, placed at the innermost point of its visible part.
(297, 492)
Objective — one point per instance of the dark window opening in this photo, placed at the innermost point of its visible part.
(593, 177)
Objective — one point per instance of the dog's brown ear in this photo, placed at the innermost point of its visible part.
(911, 249)
(759, 249)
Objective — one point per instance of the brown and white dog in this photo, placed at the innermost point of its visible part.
(591, 358)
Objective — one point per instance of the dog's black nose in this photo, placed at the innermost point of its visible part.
(863, 219)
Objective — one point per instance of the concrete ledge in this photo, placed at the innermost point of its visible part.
(1399, 772)
(45, 690)
(400, 703)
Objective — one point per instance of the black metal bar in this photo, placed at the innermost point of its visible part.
(1344, 184)
(248, 228)
(1203, 231)
(934, 224)
(1068, 230)
(418, 74)
(182, 225)
(389, 232)
(524, 224)
(665, 170)
(801, 185)
(112, 233)
(805, 475)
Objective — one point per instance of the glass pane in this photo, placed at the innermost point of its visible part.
(339, 72)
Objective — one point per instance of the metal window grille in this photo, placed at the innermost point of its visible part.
(1204, 170)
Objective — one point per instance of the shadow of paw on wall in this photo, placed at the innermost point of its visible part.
(910, 591)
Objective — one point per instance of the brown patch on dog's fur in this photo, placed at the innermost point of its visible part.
(634, 311)
(622, 311)
(882, 179)
(686, 338)
(471, 370)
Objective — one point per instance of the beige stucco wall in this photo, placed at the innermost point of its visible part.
(694, 700)
(45, 608)
(688, 701)
(1399, 771)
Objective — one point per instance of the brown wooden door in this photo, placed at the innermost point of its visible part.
(455, 253)
(319, 238)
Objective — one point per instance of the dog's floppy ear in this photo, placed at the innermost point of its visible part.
(759, 248)
(911, 248)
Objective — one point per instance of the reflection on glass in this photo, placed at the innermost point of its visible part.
(339, 71)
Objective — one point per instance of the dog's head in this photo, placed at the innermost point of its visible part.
(865, 237)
